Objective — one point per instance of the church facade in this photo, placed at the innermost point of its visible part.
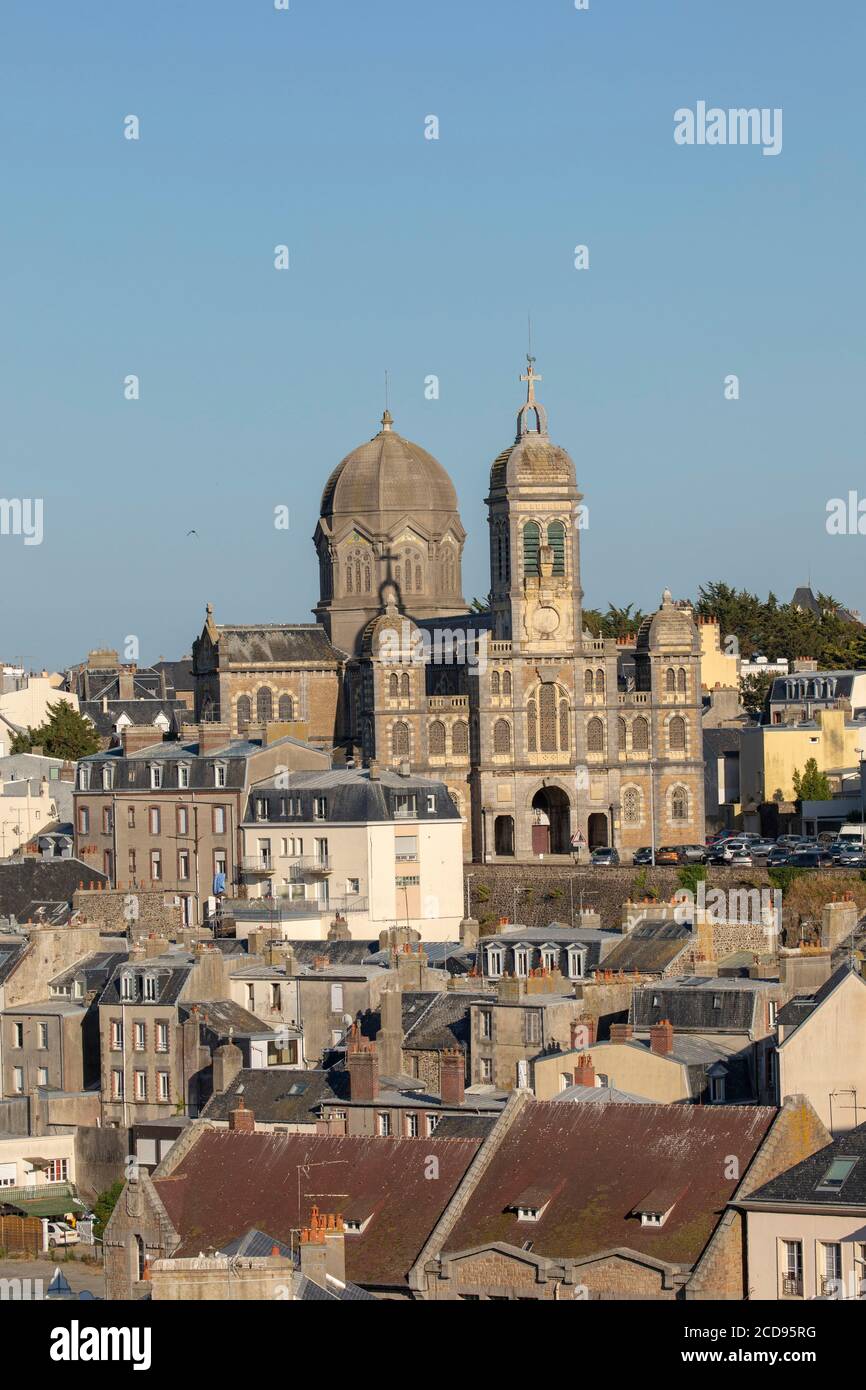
(542, 732)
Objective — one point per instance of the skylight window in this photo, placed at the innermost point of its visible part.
(836, 1174)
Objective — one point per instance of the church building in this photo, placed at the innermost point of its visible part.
(542, 732)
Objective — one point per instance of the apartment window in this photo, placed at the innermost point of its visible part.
(831, 1267)
(336, 999)
(320, 808)
(18, 1080)
(163, 1088)
(219, 774)
(57, 1170)
(17, 1034)
(431, 803)
(162, 1037)
(183, 775)
(117, 1083)
(792, 1268)
(353, 886)
(486, 1071)
(83, 820)
(411, 1126)
(183, 820)
(155, 865)
(108, 863)
(834, 1178)
(384, 1124)
(773, 1012)
(575, 964)
(116, 1035)
(405, 806)
(151, 989)
(321, 851)
(219, 861)
(130, 817)
(42, 1033)
(276, 997)
(106, 820)
(521, 960)
(485, 1024)
(131, 863)
(183, 864)
(155, 775)
(107, 777)
(406, 846)
(494, 962)
(432, 1122)
(42, 1076)
(532, 1025)
(139, 1036)
(717, 1090)
(127, 985)
(219, 820)
(84, 777)
(860, 1268)
(261, 808)
(154, 820)
(141, 1085)
(550, 957)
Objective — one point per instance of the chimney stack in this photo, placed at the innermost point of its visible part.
(134, 737)
(363, 1071)
(621, 1032)
(452, 1076)
(212, 737)
(227, 1062)
(242, 1119)
(323, 1249)
(662, 1038)
(584, 1072)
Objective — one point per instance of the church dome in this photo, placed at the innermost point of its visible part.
(387, 476)
(671, 629)
(533, 459)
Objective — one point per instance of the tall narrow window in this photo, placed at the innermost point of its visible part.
(494, 683)
(437, 739)
(502, 736)
(677, 734)
(244, 711)
(400, 740)
(531, 727)
(556, 541)
(681, 680)
(531, 543)
(286, 708)
(595, 736)
(264, 705)
(563, 725)
(460, 739)
(506, 684)
(640, 735)
(547, 717)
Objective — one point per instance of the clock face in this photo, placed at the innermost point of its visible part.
(545, 621)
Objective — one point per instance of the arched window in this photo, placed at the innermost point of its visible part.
(404, 685)
(556, 541)
(348, 579)
(368, 578)
(418, 579)
(640, 735)
(494, 683)
(599, 682)
(547, 717)
(502, 736)
(563, 725)
(393, 685)
(286, 708)
(506, 683)
(400, 739)
(679, 804)
(621, 734)
(531, 543)
(531, 727)
(245, 711)
(681, 680)
(670, 680)
(631, 806)
(595, 736)
(677, 734)
(460, 739)
(588, 683)
(437, 739)
(264, 705)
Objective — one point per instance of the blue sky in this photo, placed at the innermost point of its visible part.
(261, 127)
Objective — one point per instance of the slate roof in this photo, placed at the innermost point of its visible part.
(352, 796)
(138, 712)
(33, 879)
(599, 1095)
(798, 1009)
(465, 1126)
(605, 1159)
(222, 1016)
(432, 1022)
(281, 644)
(171, 971)
(230, 1180)
(178, 674)
(10, 953)
(650, 948)
(593, 942)
(279, 1097)
(256, 1244)
(690, 1002)
(800, 1185)
(94, 970)
(307, 1291)
(441, 955)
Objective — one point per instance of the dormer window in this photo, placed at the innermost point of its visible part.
(655, 1208)
(150, 991)
(837, 1174)
(78, 989)
(575, 963)
(320, 808)
(494, 961)
(261, 809)
(219, 774)
(521, 960)
(531, 1204)
(183, 775)
(107, 777)
(84, 776)
(127, 985)
(550, 957)
(155, 775)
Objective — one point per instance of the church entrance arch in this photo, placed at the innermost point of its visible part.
(551, 822)
(598, 835)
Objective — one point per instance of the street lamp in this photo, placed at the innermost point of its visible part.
(469, 895)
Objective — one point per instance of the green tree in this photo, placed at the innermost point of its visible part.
(104, 1206)
(65, 734)
(754, 691)
(812, 785)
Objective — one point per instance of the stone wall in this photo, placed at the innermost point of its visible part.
(119, 910)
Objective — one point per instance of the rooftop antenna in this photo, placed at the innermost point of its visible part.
(387, 391)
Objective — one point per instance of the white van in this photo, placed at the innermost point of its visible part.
(56, 1233)
(851, 835)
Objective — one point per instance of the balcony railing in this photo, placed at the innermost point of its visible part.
(309, 866)
(42, 1192)
(282, 909)
(257, 864)
(792, 1285)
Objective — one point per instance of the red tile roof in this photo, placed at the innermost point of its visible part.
(608, 1158)
(230, 1181)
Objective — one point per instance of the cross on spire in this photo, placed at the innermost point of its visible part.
(530, 376)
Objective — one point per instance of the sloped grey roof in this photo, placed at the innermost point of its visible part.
(650, 948)
(283, 644)
(801, 1185)
(707, 1004)
(284, 1096)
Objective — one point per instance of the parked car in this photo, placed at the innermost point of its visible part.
(643, 856)
(811, 859)
(693, 854)
(724, 852)
(778, 855)
(788, 839)
(740, 858)
(761, 848)
(668, 854)
(606, 854)
(59, 1233)
(850, 858)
